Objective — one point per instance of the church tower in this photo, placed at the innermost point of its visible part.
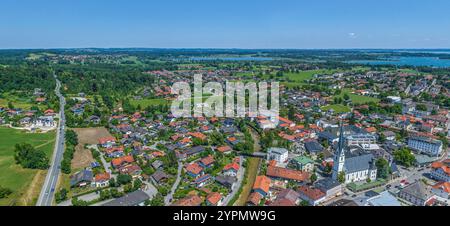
(339, 157)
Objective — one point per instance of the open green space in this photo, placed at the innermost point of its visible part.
(358, 99)
(148, 102)
(13, 176)
(338, 108)
(357, 187)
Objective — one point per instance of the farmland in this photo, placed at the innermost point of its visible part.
(14, 176)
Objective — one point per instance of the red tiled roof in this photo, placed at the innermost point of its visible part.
(106, 139)
(285, 120)
(114, 149)
(193, 200)
(312, 193)
(194, 168)
(124, 159)
(233, 165)
(197, 135)
(274, 171)
(224, 148)
(207, 160)
(214, 198)
(102, 177)
(444, 186)
(282, 202)
(263, 183)
(254, 198)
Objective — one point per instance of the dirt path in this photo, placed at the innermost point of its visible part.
(252, 171)
(48, 142)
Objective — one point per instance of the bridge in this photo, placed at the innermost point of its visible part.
(261, 155)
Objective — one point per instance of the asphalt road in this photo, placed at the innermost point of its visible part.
(169, 197)
(48, 189)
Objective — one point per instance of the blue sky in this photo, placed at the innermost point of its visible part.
(225, 24)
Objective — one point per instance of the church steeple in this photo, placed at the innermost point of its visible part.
(340, 149)
(339, 157)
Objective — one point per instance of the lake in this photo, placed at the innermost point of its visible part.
(231, 58)
(407, 61)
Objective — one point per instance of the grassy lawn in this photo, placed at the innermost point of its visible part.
(14, 176)
(18, 103)
(365, 186)
(358, 99)
(148, 102)
(338, 108)
(307, 75)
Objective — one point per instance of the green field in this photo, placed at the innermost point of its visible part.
(298, 78)
(338, 108)
(17, 102)
(307, 75)
(14, 176)
(148, 102)
(358, 99)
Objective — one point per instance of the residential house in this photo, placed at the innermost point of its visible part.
(214, 199)
(160, 176)
(81, 178)
(313, 147)
(207, 162)
(118, 162)
(202, 180)
(313, 196)
(107, 142)
(194, 150)
(262, 185)
(286, 197)
(280, 155)
(136, 198)
(224, 149)
(194, 170)
(102, 180)
(286, 174)
(191, 200)
(158, 164)
(231, 169)
(441, 189)
(226, 181)
(440, 171)
(303, 163)
(132, 170)
(254, 199)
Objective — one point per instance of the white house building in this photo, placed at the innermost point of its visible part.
(280, 155)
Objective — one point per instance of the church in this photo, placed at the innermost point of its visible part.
(356, 163)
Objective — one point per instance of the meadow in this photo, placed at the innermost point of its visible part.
(13, 176)
(357, 99)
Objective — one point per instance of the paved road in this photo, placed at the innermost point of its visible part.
(48, 190)
(168, 198)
